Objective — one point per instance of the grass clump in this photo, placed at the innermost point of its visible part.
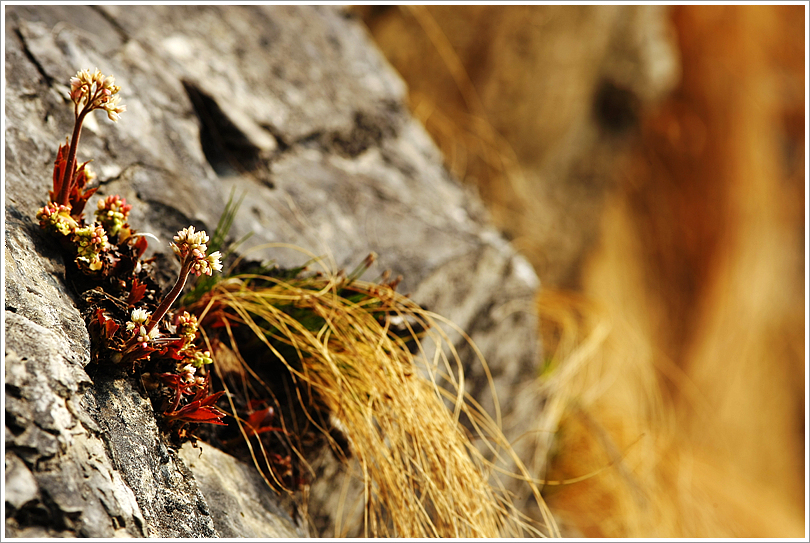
(358, 359)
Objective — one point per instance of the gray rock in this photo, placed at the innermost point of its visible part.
(241, 505)
(59, 475)
(167, 494)
(21, 487)
(290, 105)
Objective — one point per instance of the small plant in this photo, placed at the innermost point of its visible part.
(128, 326)
(88, 92)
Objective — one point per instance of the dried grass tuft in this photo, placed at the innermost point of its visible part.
(423, 476)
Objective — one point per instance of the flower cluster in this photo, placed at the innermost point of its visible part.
(137, 322)
(187, 326)
(200, 359)
(187, 373)
(56, 218)
(188, 369)
(187, 241)
(192, 245)
(94, 91)
(90, 242)
(112, 213)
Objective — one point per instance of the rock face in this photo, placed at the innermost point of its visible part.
(290, 105)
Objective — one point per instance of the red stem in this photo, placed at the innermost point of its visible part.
(171, 296)
(70, 167)
(167, 302)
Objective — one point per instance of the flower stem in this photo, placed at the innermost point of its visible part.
(70, 167)
(164, 306)
(171, 296)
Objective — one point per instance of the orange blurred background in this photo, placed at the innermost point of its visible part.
(650, 163)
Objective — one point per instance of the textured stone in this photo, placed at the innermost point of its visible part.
(21, 487)
(241, 504)
(166, 493)
(73, 491)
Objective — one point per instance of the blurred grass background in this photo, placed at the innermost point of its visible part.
(650, 162)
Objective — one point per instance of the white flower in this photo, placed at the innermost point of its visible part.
(188, 241)
(114, 114)
(191, 246)
(214, 259)
(139, 315)
(137, 319)
(187, 373)
(94, 91)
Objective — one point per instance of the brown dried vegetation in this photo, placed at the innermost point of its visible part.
(668, 229)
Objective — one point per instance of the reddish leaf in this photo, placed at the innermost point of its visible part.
(172, 350)
(255, 405)
(139, 351)
(59, 166)
(210, 399)
(137, 292)
(200, 410)
(171, 379)
(78, 197)
(175, 382)
(140, 245)
(107, 325)
(258, 422)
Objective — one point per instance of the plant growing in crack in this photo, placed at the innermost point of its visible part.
(88, 92)
(191, 247)
(63, 215)
(128, 325)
